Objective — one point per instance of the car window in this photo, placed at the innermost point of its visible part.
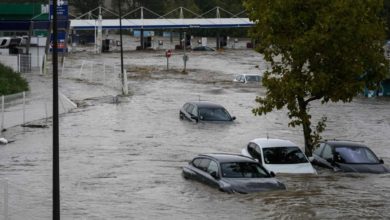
(213, 167)
(214, 114)
(204, 164)
(243, 170)
(250, 78)
(254, 151)
(194, 111)
(352, 154)
(189, 108)
(319, 149)
(196, 162)
(284, 155)
(327, 153)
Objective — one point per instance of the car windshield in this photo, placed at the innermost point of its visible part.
(214, 114)
(243, 170)
(253, 78)
(284, 155)
(348, 154)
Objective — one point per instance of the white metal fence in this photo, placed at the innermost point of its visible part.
(23, 63)
(92, 72)
(22, 108)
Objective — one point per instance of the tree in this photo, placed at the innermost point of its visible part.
(318, 50)
(11, 82)
(84, 6)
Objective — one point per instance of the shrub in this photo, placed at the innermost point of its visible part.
(11, 82)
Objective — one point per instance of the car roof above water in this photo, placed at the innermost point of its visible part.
(225, 157)
(266, 142)
(342, 143)
(206, 104)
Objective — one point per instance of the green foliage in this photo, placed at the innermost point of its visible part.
(318, 50)
(84, 6)
(11, 82)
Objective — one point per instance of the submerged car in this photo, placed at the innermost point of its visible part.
(204, 111)
(247, 78)
(231, 173)
(347, 156)
(278, 156)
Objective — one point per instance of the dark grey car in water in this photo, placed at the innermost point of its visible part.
(204, 111)
(231, 173)
(347, 156)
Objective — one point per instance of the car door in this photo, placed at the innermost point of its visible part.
(326, 155)
(188, 112)
(317, 154)
(212, 180)
(201, 171)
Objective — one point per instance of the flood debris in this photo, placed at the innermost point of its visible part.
(35, 125)
(3, 141)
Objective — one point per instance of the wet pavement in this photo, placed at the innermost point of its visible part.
(123, 161)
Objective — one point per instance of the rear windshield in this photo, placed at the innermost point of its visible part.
(253, 78)
(284, 155)
(355, 155)
(214, 114)
(243, 170)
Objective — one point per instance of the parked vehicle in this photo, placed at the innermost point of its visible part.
(204, 111)
(247, 78)
(347, 156)
(231, 173)
(278, 156)
(203, 48)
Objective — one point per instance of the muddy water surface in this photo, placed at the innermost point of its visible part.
(123, 161)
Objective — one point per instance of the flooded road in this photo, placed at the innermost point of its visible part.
(123, 161)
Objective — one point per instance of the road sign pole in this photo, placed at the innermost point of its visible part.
(185, 55)
(168, 54)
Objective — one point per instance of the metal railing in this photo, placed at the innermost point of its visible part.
(22, 108)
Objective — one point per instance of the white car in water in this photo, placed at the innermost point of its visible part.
(279, 156)
(247, 78)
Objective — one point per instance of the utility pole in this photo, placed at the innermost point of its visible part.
(122, 75)
(56, 158)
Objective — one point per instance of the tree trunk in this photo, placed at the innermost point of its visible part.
(306, 126)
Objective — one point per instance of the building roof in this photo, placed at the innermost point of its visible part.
(162, 23)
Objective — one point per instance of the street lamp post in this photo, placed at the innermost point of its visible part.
(122, 75)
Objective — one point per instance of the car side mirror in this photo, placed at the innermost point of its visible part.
(214, 175)
(272, 174)
(381, 161)
(233, 118)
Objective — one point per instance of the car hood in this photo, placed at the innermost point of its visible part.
(305, 168)
(247, 185)
(362, 168)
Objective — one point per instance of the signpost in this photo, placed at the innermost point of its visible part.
(185, 57)
(168, 54)
(62, 21)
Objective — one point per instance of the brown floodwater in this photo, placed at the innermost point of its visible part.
(124, 161)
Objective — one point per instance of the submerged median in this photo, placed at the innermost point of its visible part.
(11, 82)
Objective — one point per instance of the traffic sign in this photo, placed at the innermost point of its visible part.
(168, 53)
